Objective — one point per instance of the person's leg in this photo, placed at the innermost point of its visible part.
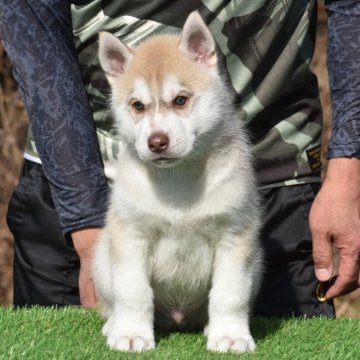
(46, 267)
(289, 284)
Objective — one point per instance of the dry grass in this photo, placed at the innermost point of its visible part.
(13, 125)
(318, 65)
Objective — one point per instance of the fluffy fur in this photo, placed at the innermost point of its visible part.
(180, 248)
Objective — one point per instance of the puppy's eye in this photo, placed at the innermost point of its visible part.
(180, 101)
(138, 106)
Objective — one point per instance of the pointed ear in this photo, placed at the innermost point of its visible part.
(197, 41)
(114, 55)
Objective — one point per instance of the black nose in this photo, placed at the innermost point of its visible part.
(158, 142)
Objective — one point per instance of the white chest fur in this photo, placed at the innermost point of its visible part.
(181, 269)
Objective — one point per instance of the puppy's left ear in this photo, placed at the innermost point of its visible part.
(197, 41)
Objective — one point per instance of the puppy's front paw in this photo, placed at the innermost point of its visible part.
(237, 345)
(231, 338)
(127, 337)
(130, 343)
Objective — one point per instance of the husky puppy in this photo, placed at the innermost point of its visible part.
(180, 247)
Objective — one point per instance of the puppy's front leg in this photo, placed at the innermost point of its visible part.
(228, 328)
(130, 324)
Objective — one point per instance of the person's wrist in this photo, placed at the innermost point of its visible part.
(345, 168)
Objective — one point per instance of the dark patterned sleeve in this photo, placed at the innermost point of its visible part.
(344, 75)
(37, 36)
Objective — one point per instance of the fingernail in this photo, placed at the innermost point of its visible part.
(322, 274)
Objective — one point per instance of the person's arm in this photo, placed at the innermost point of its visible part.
(37, 36)
(335, 214)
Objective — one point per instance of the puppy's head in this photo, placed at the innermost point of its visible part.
(165, 92)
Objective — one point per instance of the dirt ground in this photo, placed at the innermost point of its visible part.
(13, 125)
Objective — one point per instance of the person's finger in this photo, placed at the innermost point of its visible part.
(86, 285)
(321, 243)
(88, 297)
(90, 300)
(323, 257)
(348, 277)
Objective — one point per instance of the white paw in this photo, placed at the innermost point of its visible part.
(237, 345)
(229, 336)
(127, 337)
(130, 343)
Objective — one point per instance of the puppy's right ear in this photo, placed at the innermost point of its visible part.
(114, 55)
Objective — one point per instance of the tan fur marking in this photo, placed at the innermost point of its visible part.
(154, 60)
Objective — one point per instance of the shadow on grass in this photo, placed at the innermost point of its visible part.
(260, 328)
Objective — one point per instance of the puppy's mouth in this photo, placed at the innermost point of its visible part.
(166, 162)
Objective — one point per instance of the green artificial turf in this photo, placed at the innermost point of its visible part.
(74, 333)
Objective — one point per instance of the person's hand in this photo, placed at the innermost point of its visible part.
(335, 223)
(84, 240)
